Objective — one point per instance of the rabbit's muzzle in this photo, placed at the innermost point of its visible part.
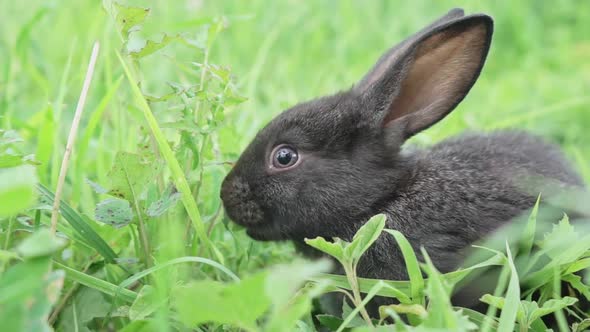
(239, 203)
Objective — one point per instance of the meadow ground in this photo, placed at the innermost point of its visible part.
(225, 69)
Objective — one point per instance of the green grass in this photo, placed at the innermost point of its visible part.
(185, 125)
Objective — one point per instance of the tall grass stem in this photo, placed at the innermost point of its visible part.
(72, 136)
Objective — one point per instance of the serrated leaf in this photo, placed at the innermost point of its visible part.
(131, 173)
(129, 17)
(576, 282)
(246, 301)
(157, 208)
(564, 246)
(113, 211)
(152, 46)
(17, 189)
(365, 237)
(562, 235)
(40, 243)
(550, 306)
(529, 311)
(334, 249)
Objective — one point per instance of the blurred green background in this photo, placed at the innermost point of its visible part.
(537, 75)
(537, 78)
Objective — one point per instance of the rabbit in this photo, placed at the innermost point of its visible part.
(325, 166)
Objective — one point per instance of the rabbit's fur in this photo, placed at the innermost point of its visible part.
(351, 165)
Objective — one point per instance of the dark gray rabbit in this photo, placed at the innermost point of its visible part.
(325, 166)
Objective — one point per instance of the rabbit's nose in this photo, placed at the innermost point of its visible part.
(239, 202)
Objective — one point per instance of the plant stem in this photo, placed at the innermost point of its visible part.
(372, 292)
(198, 104)
(143, 237)
(500, 287)
(134, 231)
(72, 137)
(352, 280)
(7, 241)
(559, 315)
(8, 232)
(202, 82)
(206, 137)
(201, 166)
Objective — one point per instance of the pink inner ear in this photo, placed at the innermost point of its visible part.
(441, 74)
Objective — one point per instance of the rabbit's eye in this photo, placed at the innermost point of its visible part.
(284, 157)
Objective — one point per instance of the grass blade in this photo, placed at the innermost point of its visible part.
(512, 300)
(98, 284)
(63, 170)
(528, 236)
(127, 282)
(559, 315)
(412, 265)
(81, 227)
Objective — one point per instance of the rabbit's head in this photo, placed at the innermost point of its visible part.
(323, 165)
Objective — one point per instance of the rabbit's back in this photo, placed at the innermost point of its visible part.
(462, 189)
(506, 154)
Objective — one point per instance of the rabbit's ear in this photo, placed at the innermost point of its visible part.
(395, 52)
(420, 81)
